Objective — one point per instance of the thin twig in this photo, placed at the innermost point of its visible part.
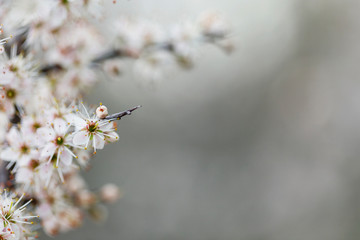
(118, 116)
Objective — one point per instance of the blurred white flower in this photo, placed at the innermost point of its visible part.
(21, 147)
(213, 25)
(110, 193)
(154, 67)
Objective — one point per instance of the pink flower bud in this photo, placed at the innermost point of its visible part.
(110, 193)
(101, 112)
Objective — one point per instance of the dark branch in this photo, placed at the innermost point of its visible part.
(6, 177)
(114, 53)
(118, 116)
(51, 68)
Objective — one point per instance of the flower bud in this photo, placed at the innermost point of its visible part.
(86, 198)
(110, 193)
(101, 112)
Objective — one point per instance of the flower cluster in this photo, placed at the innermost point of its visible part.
(64, 41)
(58, 52)
(15, 221)
(44, 145)
(45, 151)
(159, 50)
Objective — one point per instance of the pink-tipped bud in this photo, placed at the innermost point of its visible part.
(102, 112)
(110, 193)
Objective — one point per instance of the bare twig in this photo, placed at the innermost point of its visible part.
(118, 116)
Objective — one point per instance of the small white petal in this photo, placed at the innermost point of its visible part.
(80, 138)
(48, 150)
(24, 175)
(14, 137)
(46, 133)
(111, 137)
(60, 126)
(9, 155)
(99, 141)
(78, 122)
(24, 160)
(65, 158)
(107, 127)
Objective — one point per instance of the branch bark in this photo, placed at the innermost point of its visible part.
(118, 116)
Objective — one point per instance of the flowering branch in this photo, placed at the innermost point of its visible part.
(56, 53)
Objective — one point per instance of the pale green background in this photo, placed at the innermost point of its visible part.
(260, 145)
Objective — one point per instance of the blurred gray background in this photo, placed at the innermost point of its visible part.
(262, 144)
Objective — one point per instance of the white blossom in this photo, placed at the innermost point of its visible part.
(92, 131)
(13, 217)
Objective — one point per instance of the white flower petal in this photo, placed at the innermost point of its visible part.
(80, 138)
(111, 137)
(14, 137)
(99, 141)
(48, 150)
(9, 155)
(107, 127)
(70, 118)
(24, 160)
(60, 126)
(46, 133)
(6, 77)
(24, 175)
(78, 122)
(65, 157)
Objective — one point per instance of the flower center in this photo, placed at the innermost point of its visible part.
(11, 93)
(24, 149)
(92, 127)
(35, 126)
(13, 68)
(34, 164)
(59, 141)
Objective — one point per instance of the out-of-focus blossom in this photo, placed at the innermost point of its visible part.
(110, 193)
(213, 25)
(21, 147)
